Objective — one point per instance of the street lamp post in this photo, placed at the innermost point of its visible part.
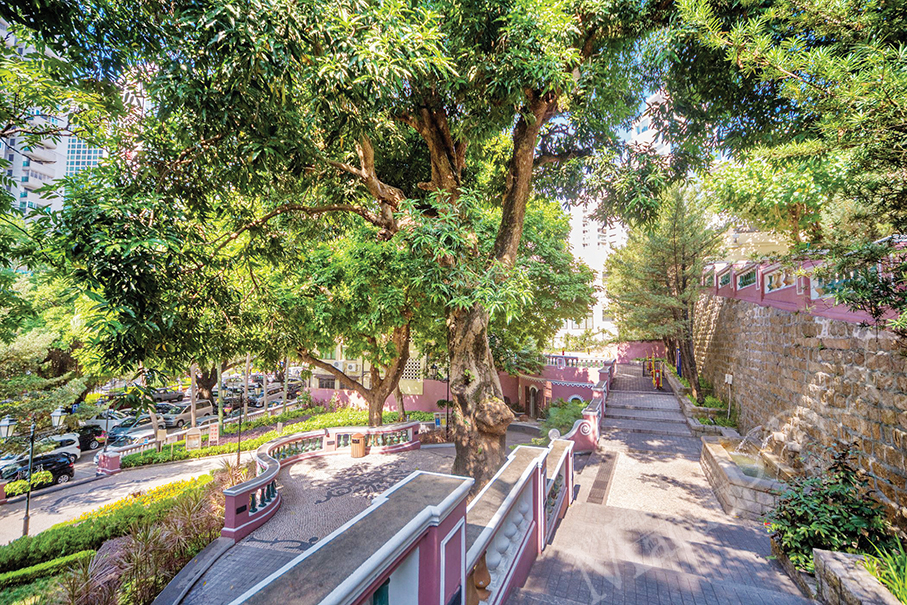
(7, 428)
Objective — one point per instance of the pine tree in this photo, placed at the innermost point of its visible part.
(653, 282)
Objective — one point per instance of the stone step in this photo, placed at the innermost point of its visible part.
(652, 428)
(667, 406)
(645, 415)
(631, 584)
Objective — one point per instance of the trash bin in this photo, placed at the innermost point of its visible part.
(357, 445)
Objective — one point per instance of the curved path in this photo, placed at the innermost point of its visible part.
(318, 495)
(48, 509)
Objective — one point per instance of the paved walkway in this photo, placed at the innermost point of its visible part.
(646, 527)
(48, 509)
(318, 496)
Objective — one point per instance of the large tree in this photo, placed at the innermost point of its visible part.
(382, 111)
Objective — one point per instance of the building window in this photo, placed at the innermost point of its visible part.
(23, 194)
(326, 382)
(329, 354)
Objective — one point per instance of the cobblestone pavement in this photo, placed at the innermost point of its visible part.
(660, 537)
(51, 508)
(317, 496)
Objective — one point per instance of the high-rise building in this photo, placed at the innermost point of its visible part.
(34, 166)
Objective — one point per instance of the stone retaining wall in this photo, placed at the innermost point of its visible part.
(842, 580)
(811, 380)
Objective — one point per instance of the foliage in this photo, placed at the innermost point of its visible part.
(839, 70)
(14, 488)
(37, 592)
(831, 510)
(587, 340)
(41, 570)
(91, 529)
(890, 567)
(345, 417)
(562, 415)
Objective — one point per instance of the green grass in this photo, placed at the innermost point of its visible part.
(890, 567)
(710, 402)
(36, 593)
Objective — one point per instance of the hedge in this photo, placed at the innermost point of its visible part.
(344, 417)
(92, 529)
(30, 574)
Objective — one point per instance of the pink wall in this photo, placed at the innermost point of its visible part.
(795, 297)
(624, 352)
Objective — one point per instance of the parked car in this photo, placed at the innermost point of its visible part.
(66, 444)
(180, 415)
(59, 464)
(168, 394)
(91, 437)
(136, 429)
(116, 418)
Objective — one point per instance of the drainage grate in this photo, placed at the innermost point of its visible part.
(602, 483)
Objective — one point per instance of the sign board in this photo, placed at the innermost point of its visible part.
(213, 434)
(194, 439)
(171, 439)
(162, 434)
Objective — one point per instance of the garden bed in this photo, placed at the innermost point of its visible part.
(842, 579)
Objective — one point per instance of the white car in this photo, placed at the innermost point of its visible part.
(116, 419)
(68, 444)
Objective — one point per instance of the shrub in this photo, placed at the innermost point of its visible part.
(41, 570)
(37, 592)
(14, 488)
(90, 530)
(562, 415)
(833, 510)
(890, 567)
(342, 417)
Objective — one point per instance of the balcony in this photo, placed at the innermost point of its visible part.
(40, 154)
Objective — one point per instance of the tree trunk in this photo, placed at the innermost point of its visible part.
(205, 381)
(401, 409)
(193, 395)
(481, 419)
(286, 382)
(688, 365)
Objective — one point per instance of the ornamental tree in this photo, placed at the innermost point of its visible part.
(653, 282)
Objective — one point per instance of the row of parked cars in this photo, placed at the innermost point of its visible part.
(58, 453)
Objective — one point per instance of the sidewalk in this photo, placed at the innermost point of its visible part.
(52, 508)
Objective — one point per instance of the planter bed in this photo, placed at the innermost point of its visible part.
(842, 580)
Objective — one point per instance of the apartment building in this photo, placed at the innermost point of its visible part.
(31, 167)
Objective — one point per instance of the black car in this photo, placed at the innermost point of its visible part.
(91, 437)
(59, 465)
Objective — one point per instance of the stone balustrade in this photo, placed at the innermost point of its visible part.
(559, 485)
(587, 430)
(251, 503)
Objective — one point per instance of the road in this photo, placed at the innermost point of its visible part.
(49, 509)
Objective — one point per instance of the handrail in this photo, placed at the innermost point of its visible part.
(488, 532)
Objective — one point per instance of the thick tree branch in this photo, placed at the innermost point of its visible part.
(551, 158)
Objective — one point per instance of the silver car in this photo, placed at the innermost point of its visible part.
(178, 415)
